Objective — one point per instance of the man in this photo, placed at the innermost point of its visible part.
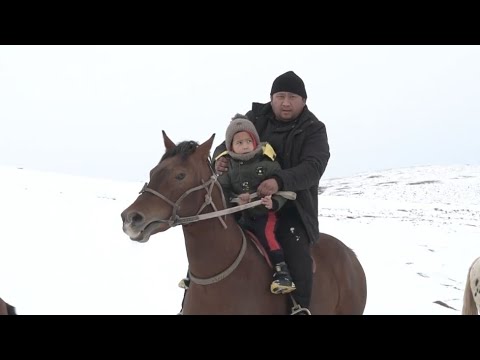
(301, 144)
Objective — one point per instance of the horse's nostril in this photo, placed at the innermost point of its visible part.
(136, 218)
(132, 217)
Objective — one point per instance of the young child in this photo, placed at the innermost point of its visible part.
(251, 162)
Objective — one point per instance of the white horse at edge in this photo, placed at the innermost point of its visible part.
(471, 296)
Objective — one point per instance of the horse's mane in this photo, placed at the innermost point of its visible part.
(185, 149)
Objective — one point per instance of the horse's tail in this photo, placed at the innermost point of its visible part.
(469, 306)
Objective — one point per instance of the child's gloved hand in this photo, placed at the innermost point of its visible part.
(267, 201)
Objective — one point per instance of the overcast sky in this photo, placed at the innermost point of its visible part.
(99, 110)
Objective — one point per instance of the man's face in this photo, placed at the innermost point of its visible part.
(287, 106)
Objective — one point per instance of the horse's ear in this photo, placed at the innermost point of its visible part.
(204, 149)
(166, 140)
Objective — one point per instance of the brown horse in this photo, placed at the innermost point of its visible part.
(228, 273)
(471, 296)
(6, 308)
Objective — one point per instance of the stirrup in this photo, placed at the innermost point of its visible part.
(298, 310)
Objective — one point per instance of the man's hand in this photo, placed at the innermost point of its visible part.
(267, 187)
(221, 165)
(267, 201)
(243, 198)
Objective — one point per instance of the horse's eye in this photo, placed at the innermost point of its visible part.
(180, 176)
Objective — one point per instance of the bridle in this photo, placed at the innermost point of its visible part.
(175, 220)
(208, 185)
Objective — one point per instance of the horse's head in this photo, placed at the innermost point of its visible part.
(173, 190)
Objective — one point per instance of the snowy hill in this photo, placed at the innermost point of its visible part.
(62, 251)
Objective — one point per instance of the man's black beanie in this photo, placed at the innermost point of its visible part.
(289, 82)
